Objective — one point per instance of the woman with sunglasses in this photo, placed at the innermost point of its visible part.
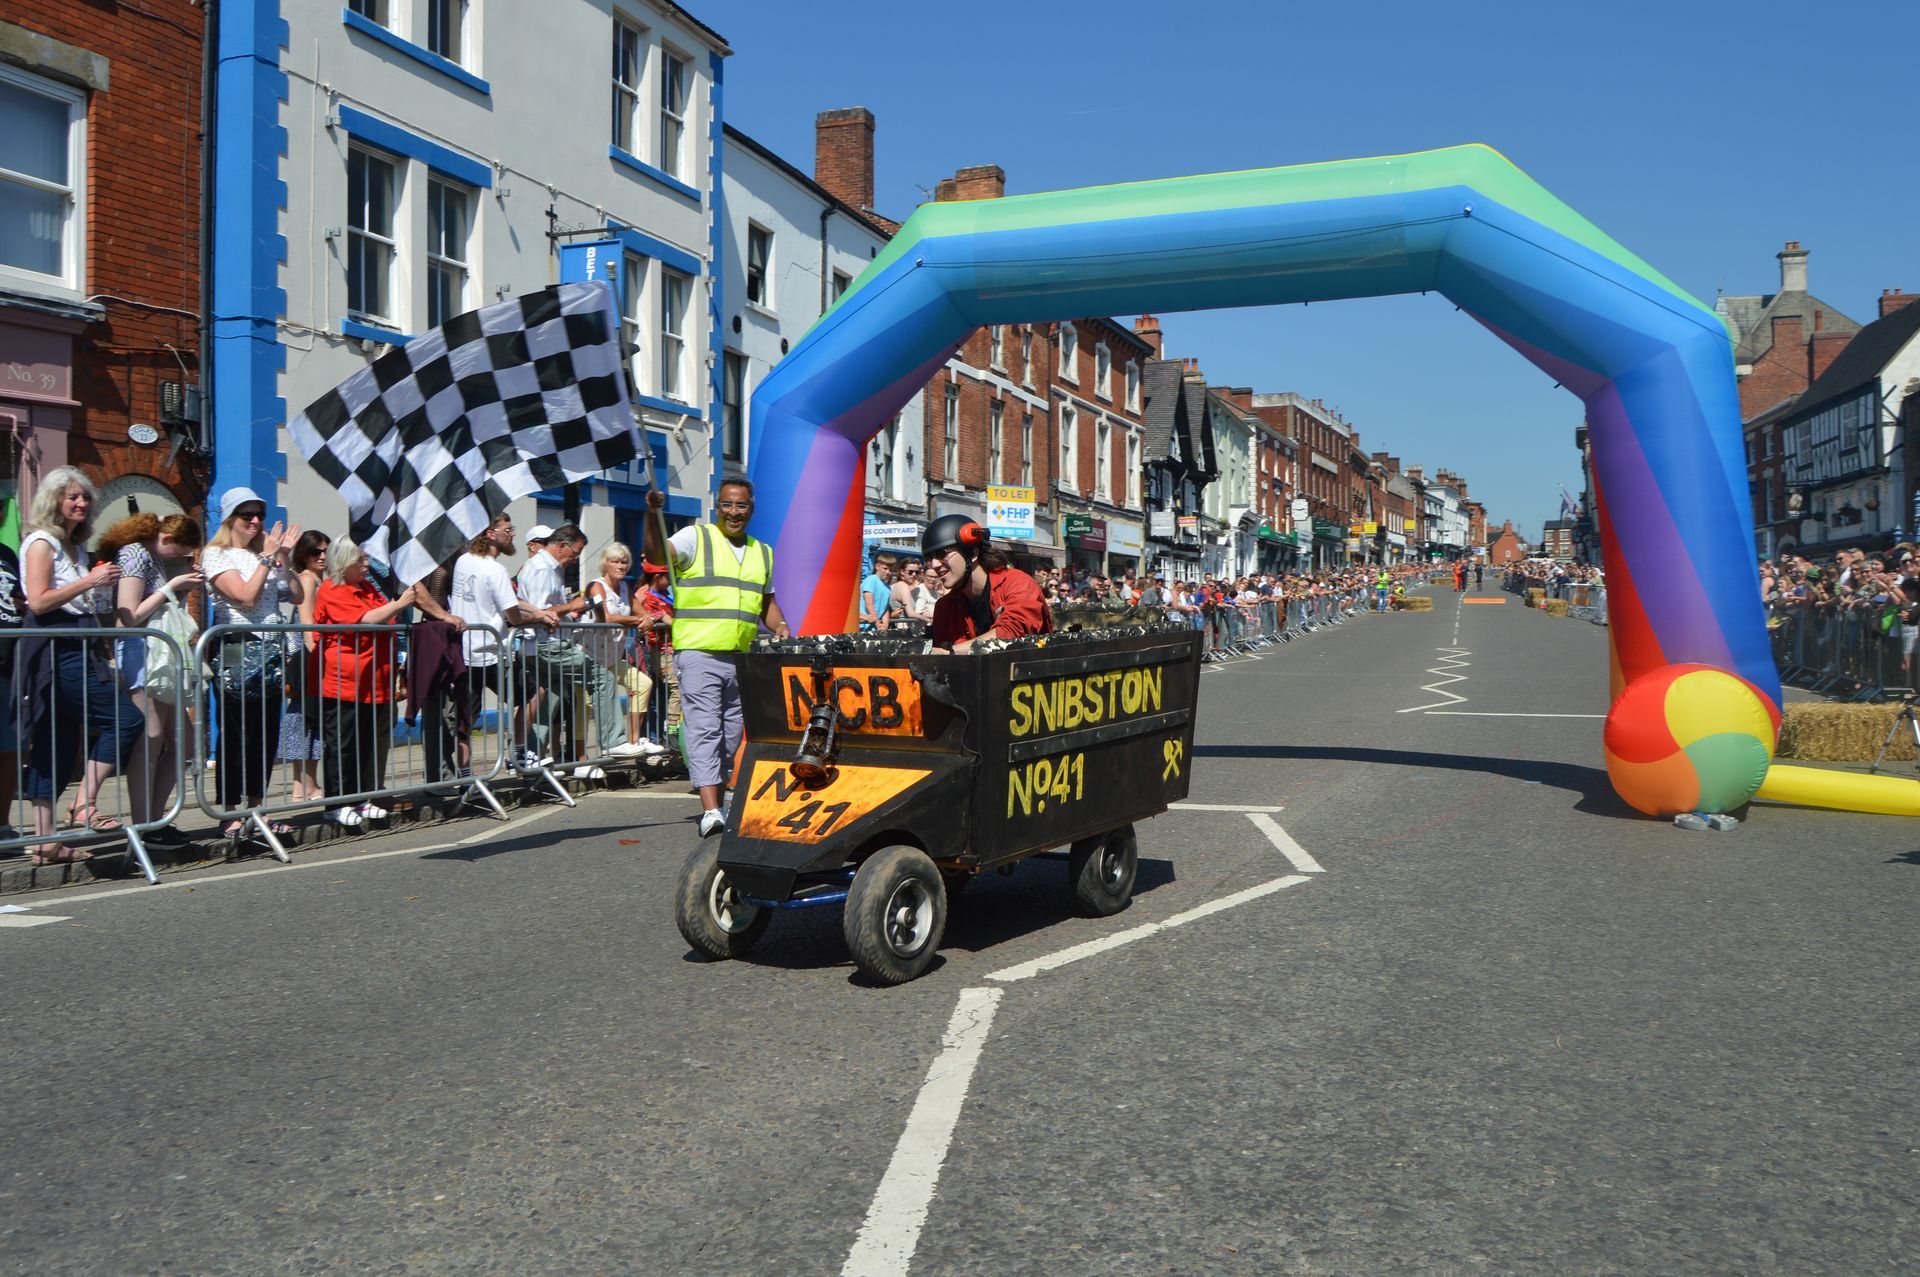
(246, 574)
(300, 745)
(911, 593)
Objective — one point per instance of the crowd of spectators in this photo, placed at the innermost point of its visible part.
(1854, 615)
(323, 654)
(323, 657)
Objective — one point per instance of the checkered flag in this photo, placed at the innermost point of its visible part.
(430, 441)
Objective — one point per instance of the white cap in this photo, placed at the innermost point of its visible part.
(539, 532)
(234, 498)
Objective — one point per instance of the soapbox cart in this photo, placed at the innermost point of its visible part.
(882, 780)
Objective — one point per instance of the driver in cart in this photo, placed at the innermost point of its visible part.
(986, 597)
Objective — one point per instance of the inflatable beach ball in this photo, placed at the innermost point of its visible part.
(1690, 738)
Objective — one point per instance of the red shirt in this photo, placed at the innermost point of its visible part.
(353, 667)
(1014, 598)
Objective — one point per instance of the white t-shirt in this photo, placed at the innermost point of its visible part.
(683, 543)
(215, 561)
(67, 570)
(482, 592)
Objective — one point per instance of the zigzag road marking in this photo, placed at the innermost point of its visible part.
(1449, 661)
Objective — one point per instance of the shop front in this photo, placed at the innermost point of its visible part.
(1329, 543)
(1086, 543)
(1125, 545)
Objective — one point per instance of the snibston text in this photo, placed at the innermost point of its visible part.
(1083, 700)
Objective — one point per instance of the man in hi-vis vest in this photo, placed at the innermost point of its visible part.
(722, 593)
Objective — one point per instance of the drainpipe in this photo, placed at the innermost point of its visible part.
(209, 93)
(825, 214)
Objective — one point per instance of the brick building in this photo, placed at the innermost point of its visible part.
(1323, 477)
(1782, 342)
(1096, 392)
(989, 416)
(1506, 546)
(100, 282)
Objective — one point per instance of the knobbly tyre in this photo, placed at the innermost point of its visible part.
(882, 779)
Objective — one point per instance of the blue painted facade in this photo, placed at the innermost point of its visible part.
(248, 196)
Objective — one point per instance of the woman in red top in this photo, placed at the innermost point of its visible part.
(356, 680)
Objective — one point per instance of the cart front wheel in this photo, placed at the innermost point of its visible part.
(895, 915)
(714, 918)
(1101, 870)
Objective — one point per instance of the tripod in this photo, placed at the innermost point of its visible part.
(1911, 721)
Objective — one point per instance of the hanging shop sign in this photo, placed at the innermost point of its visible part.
(1010, 512)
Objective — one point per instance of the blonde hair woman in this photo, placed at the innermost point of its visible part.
(146, 547)
(66, 686)
(246, 577)
(612, 603)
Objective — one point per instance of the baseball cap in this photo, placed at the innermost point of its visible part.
(651, 569)
(234, 498)
(540, 532)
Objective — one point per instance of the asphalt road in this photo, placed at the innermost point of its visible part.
(1498, 1024)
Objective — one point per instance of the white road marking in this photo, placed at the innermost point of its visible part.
(1027, 970)
(1242, 808)
(1450, 657)
(13, 908)
(17, 920)
(1487, 713)
(143, 891)
(1296, 855)
(888, 1238)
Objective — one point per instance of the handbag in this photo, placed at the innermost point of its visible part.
(170, 672)
(252, 669)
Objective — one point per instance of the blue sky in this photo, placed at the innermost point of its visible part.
(1700, 134)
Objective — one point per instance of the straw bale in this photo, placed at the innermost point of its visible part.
(1554, 607)
(1823, 733)
(1414, 603)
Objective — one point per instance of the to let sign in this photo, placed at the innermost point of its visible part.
(1010, 512)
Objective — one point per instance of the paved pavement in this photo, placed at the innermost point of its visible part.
(1460, 1012)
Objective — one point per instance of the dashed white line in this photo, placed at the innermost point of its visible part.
(891, 1232)
(1487, 713)
(1242, 808)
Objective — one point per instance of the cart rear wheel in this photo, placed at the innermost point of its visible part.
(714, 918)
(1101, 870)
(895, 915)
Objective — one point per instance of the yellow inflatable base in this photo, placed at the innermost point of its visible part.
(1841, 791)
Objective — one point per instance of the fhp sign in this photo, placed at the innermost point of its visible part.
(1010, 512)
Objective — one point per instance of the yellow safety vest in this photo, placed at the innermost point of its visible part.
(716, 604)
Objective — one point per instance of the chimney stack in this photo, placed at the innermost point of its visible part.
(1147, 328)
(980, 182)
(1823, 350)
(1892, 299)
(1793, 267)
(843, 154)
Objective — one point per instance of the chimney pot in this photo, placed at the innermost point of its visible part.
(1893, 299)
(1148, 329)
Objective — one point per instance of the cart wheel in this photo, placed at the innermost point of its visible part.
(1101, 870)
(712, 916)
(895, 914)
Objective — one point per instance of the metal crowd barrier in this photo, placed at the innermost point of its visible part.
(580, 704)
(101, 752)
(1236, 627)
(1844, 652)
(268, 731)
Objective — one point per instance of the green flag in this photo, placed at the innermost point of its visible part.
(10, 525)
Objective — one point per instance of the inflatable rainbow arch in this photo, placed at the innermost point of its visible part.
(1652, 364)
